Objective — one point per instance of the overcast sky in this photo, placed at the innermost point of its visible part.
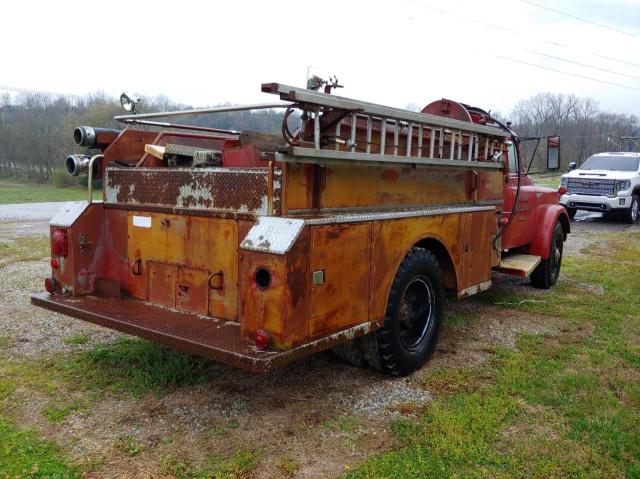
(390, 52)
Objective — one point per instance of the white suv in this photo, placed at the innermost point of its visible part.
(606, 182)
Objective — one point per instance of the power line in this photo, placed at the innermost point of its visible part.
(586, 65)
(616, 60)
(575, 17)
(567, 73)
(514, 32)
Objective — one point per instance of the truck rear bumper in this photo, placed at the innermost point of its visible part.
(212, 338)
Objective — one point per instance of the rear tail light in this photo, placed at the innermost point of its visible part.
(59, 243)
(50, 284)
(262, 339)
(55, 264)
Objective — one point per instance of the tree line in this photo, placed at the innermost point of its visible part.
(36, 128)
(584, 129)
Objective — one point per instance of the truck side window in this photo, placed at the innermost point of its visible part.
(513, 158)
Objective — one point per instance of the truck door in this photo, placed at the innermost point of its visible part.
(520, 230)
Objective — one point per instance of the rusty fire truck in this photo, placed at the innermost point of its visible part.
(344, 233)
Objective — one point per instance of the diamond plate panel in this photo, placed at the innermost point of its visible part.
(212, 191)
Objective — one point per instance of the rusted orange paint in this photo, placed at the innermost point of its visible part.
(346, 186)
(162, 283)
(206, 244)
(342, 252)
(262, 308)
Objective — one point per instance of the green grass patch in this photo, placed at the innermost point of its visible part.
(551, 181)
(219, 430)
(78, 338)
(133, 366)
(58, 411)
(12, 191)
(456, 319)
(342, 424)
(565, 405)
(22, 454)
(238, 465)
(288, 466)
(129, 445)
(29, 248)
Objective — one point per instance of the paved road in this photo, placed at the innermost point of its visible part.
(30, 211)
(28, 218)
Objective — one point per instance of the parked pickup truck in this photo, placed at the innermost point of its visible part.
(606, 182)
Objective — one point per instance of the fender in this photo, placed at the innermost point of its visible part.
(548, 216)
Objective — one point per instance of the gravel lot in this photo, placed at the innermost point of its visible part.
(288, 415)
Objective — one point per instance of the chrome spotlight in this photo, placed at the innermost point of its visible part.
(129, 102)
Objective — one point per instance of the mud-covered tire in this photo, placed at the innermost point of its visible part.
(351, 353)
(413, 317)
(632, 214)
(546, 273)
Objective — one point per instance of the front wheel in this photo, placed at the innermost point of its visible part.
(547, 272)
(413, 318)
(631, 216)
(571, 212)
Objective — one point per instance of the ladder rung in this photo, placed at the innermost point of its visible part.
(396, 137)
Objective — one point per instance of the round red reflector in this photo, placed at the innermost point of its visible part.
(262, 339)
(50, 284)
(55, 264)
(59, 243)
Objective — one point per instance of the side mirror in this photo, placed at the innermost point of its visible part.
(572, 166)
(553, 153)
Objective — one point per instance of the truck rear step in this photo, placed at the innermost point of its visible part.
(519, 264)
(209, 337)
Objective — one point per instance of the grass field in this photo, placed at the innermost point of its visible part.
(565, 406)
(14, 191)
(552, 181)
(559, 404)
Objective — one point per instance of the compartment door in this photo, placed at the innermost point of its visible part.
(341, 255)
(476, 234)
(192, 290)
(162, 283)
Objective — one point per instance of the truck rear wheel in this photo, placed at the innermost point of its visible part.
(547, 272)
(413, 318)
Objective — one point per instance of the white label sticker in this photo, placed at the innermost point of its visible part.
(142, 221)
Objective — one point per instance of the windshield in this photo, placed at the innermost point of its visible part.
(616, 163)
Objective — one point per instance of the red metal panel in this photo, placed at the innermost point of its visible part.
(162, 283)
(192, 288)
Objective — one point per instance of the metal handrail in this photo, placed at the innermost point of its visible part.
(217, 109)
(90, 176)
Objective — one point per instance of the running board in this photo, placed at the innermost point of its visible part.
(521, 265)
